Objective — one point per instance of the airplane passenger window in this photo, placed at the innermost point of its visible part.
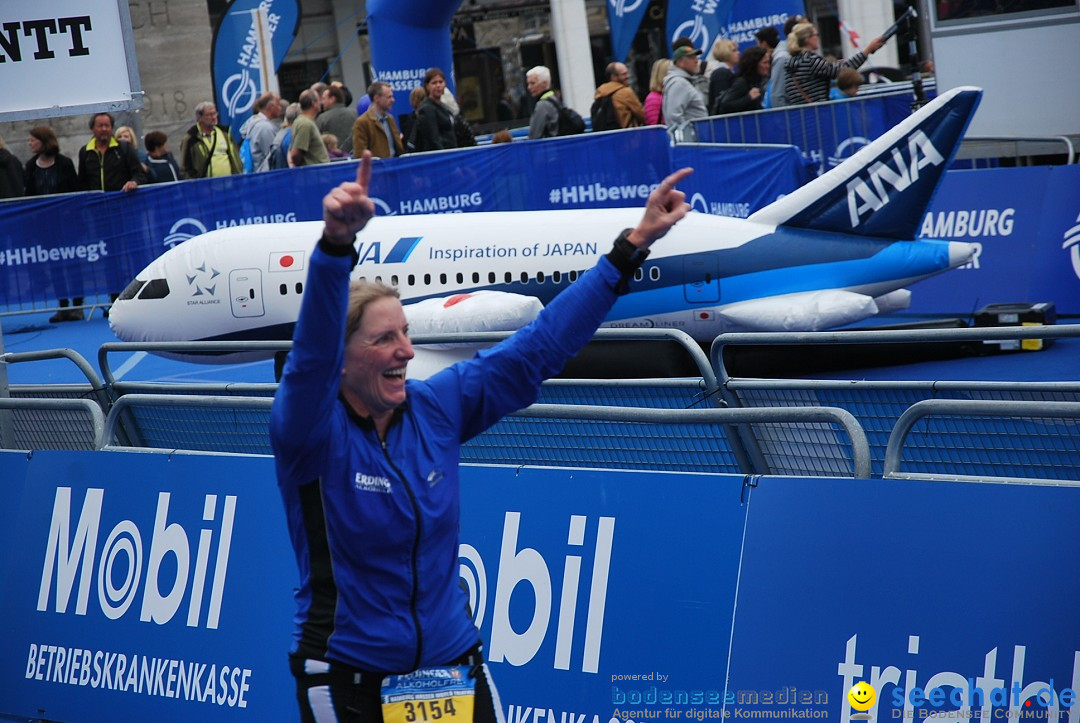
(491, 277)
(283, 289)
(573, 276)
(299, 287)
(155, 289)
(654, 273)
(442, 278)
(411, 280)
(427, 279)
(539, 277)
(378, 279)
(524, 277)
(460, 278)
(556, 276)
(131, 290)
(508, 277)
(393, 280)
(475, 278)
(638, 274)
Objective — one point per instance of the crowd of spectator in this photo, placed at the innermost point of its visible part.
(325, 125)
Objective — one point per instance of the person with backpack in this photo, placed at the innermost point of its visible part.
(615, 104)
(550, 117)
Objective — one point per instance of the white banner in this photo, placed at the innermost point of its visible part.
(65, 57)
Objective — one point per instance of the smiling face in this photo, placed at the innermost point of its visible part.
(862, 696)
(376, 354)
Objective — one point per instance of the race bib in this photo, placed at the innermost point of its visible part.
(443, 694)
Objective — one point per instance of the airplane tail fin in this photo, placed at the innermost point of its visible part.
(884, 189)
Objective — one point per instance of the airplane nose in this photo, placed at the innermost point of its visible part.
(961, 253)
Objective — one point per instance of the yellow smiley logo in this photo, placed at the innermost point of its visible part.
(862, 696)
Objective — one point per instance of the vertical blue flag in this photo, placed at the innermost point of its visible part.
(701, 20)
(624, 17)
(235, 60)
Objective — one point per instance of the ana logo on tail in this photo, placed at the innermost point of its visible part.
(869, 187)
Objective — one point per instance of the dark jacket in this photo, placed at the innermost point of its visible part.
(737, 98)
(11, 177)
(111, 170)
(66, 179)
(434, 129)
(195, 156)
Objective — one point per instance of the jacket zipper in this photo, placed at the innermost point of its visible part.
(415, 552)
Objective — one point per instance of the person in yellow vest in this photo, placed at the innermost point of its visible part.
(207, 150)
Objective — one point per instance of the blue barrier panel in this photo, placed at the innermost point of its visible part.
(598, 593)
(84, 244)
(907, 585)
(1020, 220)
(733, 181)
(198, 627)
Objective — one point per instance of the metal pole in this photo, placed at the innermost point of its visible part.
(7, 422)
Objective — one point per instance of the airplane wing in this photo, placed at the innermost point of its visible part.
(804, 311)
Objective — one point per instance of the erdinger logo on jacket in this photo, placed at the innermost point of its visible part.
(370, 483)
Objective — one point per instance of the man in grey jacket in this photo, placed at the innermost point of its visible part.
(682, 102)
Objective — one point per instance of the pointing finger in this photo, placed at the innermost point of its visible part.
(669, 183)
(363, 173)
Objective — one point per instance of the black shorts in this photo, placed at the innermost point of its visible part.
(329, 692)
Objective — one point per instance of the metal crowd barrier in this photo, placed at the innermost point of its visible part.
(878, 405)
(206, 423)
(51, 424)
(985, 446)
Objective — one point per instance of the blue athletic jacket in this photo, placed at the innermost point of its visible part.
(374, 526)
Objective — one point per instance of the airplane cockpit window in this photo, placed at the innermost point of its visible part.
(131, 290)
(155, 289)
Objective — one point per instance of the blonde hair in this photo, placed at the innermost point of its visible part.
(796, 39)
(362, 293)
(134, 139)
(723, 49)
(656, 77)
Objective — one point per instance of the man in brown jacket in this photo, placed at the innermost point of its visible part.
(628, 110)
(376, 130)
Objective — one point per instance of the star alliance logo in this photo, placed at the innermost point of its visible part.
(203, 280)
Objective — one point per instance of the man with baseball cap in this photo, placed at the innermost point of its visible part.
(681, 101)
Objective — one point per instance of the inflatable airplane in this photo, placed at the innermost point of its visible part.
(833, 252)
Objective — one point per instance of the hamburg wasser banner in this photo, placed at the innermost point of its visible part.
(236, 64)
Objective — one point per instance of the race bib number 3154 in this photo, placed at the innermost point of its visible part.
(444, 694)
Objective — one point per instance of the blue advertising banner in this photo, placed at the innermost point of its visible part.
(235, 60)
(700, 20)
(749, 16)
(891, 583)
(141, 586)
(106, 239)
(1020, 224)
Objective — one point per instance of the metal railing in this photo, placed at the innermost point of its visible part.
(878, 405)
(983, 446)
(52, 424)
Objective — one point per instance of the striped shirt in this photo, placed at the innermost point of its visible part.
(812, 73)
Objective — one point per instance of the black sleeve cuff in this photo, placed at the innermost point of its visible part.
(332, 249)
(627, 258)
